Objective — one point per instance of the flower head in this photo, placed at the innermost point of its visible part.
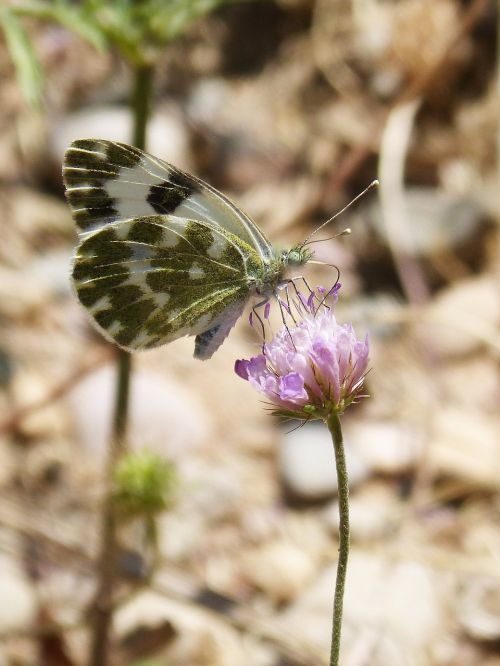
(313, 368)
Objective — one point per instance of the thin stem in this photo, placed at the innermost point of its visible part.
(333, 423)
(140, 103)
(122, 394)
(108, 559)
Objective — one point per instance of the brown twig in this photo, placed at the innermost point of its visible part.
(12, 422)
(393, 152)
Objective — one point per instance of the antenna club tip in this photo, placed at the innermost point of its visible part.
(347, 231)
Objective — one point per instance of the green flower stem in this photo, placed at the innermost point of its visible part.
(108, 560)
(333, 424)
(122, 394)
(140, 103)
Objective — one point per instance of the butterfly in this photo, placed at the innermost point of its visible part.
(161, 253)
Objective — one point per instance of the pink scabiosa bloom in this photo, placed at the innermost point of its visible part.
(313, 368)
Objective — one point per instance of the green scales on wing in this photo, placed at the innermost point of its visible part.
(162, 254)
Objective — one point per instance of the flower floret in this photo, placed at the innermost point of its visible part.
(318, 364)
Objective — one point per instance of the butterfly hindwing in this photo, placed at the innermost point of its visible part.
(207, 342)
(150, 280)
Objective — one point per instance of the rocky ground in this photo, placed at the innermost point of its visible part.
(291, 108)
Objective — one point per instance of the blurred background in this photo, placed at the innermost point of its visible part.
(291, 107)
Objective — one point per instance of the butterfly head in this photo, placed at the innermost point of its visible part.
(297, 256)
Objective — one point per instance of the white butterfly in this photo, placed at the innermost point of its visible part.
(163, 254)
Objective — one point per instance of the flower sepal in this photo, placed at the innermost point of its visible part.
(305, 413)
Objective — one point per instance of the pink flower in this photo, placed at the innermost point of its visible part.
(316, 367)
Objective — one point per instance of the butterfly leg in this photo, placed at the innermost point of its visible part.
(285, 306)
(288, 305)
(259, 318)
(329, 292)
(301, 300)
(312, 293)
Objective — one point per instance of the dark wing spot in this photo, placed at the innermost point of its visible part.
(86, 217)
(103, 247)
(199, 236)
(88, 165)
(160, 280)
(91, 197)
(167, 196)
(121, 155)
(202, 341)
(84, 158)
(144, 231)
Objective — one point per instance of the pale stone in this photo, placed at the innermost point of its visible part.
(166, 133)
(374, 511)
(438, 221)
(462, 318)
(479, 372)
(280, 569)
(200, 638)
(307, 463)
(479, 608)
(393, 611)
(388, 447)
(19, 605)
(465, 446)
(164, 416)
(50, 421)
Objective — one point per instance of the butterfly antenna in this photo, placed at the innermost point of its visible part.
(344, 232)
(340, 212)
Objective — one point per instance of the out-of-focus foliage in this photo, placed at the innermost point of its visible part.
(23, 56)
(141, 29)
(138, 29)
(79, 18)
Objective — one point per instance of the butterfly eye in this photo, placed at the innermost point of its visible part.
(298, 256)
(295, 257)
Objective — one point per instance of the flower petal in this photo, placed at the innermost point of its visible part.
(291, 389)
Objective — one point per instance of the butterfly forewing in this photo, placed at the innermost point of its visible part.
(108, 181)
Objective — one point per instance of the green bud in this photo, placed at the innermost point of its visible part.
(144, 484)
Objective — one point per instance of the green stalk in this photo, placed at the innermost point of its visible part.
(333, 424)
(102, 615)
(140, 103)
